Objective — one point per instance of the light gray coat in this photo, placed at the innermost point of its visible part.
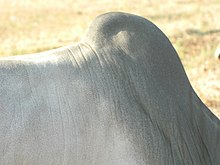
(119, 97)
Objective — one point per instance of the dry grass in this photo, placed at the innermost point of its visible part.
(193, 27)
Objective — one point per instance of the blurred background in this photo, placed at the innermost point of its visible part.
(193, 26)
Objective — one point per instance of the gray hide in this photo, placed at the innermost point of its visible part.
(119, 97)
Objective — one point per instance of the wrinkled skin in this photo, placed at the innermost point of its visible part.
(119, 97)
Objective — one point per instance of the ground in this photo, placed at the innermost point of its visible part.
(193, 27)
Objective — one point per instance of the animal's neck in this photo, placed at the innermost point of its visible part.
(209, 128)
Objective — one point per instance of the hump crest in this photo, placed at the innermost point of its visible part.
(141, 40)
(108, 26)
